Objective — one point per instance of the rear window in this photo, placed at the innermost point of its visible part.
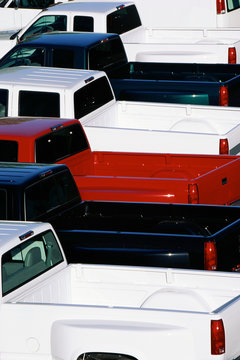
(106, 54)
(62, 143)
(8, 150)
(3, 102)
(123, 20)
(37, 103)
(92, 96)
(49, 194)
(233, 4)
(28, 260)
(83, 23)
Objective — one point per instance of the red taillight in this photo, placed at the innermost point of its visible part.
(223, 147)
(223, 96)
(210, 255)
(193, 197)
(217, 337)
(221, 7)
(232, 55)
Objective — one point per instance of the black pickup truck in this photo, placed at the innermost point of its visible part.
(149, 234)
(206, 84)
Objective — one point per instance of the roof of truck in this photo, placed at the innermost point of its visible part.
(50, 78)
(10, 231)
(31, 126)
(16, 174)
(88, 7)
(66, 39)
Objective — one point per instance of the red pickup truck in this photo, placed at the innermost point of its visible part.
(114, 176)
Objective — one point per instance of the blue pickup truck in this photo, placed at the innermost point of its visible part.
(206, 84)
(149, 234)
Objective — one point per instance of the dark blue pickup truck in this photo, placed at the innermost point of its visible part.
(206, 84)
(149, 234)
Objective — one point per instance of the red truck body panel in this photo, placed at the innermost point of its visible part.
(140, 177)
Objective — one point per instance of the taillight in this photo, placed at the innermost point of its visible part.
(223, 147)
(210, 255)
(223, 96)
(193, 197)
(221, 7)
(232, 55)
(217, 337)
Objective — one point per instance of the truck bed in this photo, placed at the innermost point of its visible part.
(157, 178)
(151, 127)
(136, 287)
(175, 45)
(176, 83)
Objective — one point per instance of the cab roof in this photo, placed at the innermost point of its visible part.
(10, 231)
(52, 79)
(67, 39)
(16, 174)
(88, 7)
(31, 126)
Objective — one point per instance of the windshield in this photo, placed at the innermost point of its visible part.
(45, 24)
(30, 56)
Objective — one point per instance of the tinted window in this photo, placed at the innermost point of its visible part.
(37, 103)
(28, 260)
(60, 144)
(49, 194)
(3, 3)
(83, 23)
(3, 102)
(24, 56)
(123, 20)
(63, 58)
(233, 4)
(32, 4)
(91, 97)
(108, 53)
(46, 24)
(8, 150)
(3, 204)
(105, 356)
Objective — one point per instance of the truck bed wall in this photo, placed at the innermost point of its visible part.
(156, 127)
(135, 287)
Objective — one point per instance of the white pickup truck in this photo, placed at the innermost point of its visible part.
(54, 310)
(112, 125)
(202, 45)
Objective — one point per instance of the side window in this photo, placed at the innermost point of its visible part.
(105, 356)
(28, 260)
(45, 24)
(37, 103)
(8, 151)
(59, 144)
(63, 58)
(3, 204)
(49, 194)
(3, 102)
(91, 97)
(83, 23)
(25, 56)
(123, 20)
